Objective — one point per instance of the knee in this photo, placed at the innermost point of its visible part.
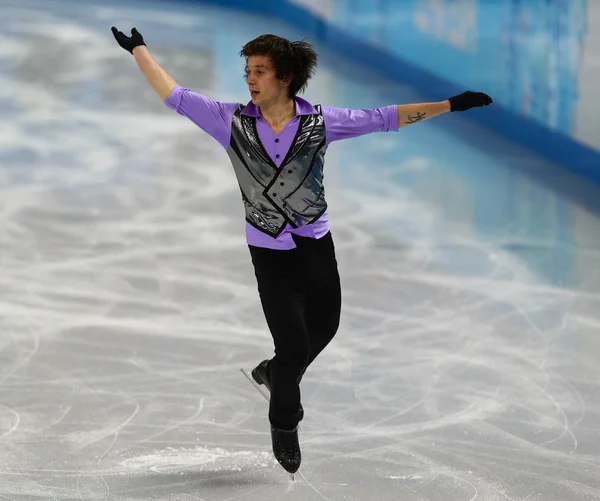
(334, 324)
(330, 327)
(294, 356)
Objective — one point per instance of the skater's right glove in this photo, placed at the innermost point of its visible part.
(128, 43)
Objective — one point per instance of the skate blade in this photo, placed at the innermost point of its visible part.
(263, 391)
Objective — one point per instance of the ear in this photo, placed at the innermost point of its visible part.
(285, 82)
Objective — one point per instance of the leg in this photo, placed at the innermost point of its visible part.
(323, 318)
(281, 290)
(324, 301)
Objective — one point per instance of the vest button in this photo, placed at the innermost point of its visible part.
(282, 184)
(289, 171)
(274, 194)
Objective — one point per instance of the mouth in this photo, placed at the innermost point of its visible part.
(254, 93)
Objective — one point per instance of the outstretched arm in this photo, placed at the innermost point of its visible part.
(213, 117)
(409, 114)
(158, 78)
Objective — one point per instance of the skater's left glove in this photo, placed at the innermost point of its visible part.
(468, 100)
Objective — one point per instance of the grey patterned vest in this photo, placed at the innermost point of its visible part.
(292, 193)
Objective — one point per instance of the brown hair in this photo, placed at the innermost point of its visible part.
(294, 60)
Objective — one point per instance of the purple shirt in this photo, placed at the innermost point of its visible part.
(215, 117)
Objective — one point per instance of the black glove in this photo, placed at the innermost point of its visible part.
(128, 43)
(468, 100)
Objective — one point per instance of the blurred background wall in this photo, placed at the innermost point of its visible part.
(533, 56)
(537, 59)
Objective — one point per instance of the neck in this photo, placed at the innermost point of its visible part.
(279, 113)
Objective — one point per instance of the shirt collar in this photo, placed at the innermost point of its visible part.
(302, 108)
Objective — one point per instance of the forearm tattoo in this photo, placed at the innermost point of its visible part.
(420, 116)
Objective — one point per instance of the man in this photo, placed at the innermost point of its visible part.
(276, 144)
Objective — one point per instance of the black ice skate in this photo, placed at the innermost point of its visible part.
(260, 374)
(286, 448)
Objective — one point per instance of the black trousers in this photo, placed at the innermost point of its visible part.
(301, 298)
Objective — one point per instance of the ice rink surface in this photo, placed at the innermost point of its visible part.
(467, 365)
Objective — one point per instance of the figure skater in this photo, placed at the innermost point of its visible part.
(276, 144)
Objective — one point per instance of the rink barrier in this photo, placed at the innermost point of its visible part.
(550, 144)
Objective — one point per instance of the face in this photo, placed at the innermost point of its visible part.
(265, 88)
